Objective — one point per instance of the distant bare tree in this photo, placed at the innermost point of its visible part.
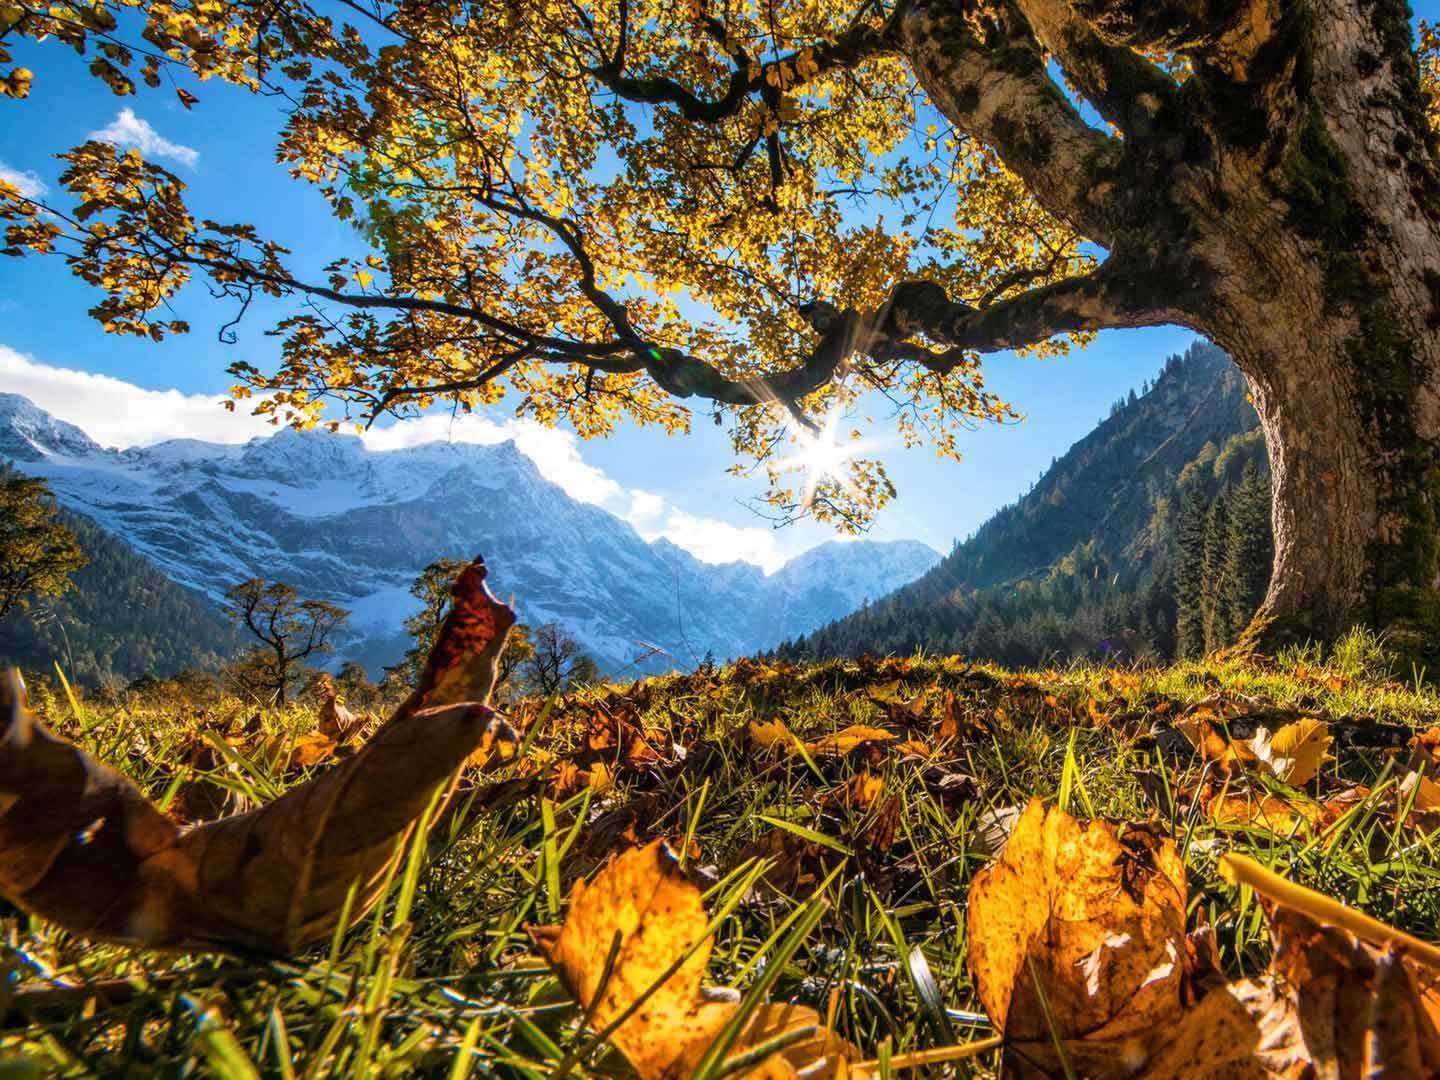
(290, 630)
(558, 663)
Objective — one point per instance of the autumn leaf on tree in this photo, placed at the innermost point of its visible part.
(81, 846)
(633, 951)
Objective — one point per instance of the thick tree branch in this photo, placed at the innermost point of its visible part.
(991, 83)
(1234, 29)
(1125, 88)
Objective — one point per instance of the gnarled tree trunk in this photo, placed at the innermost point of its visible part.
(1285, 202)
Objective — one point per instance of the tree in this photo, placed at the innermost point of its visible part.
(537, 181)
(559, 663)
(1249, 548)
(290, 631)
(1216, 603)
(432, 589)
(1190, 583)
(38, 551)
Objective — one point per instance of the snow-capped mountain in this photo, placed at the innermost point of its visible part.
(355, 526)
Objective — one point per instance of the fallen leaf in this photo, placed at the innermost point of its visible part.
(1294, 753)
(772, 734)
(849, 739)
(81, 846)
(1077, 932)
(641, 920)
(1344, 997)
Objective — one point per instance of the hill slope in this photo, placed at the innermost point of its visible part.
(354, 526)
(123, 619)
(1087, 561)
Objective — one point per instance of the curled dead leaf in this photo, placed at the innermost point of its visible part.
(81, 846)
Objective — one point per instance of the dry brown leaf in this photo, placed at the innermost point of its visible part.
(1294, 753)
(81, 846)
(1266, 809)
(1427, 744)
(849, 739)
(642, 910)
(1084, 926)
(1200, 724)
(1331, 1005)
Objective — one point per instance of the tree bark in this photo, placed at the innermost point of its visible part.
(1285, 202)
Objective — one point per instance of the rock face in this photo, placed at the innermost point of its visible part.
(355, 526)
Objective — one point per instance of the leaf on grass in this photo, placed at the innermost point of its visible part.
(771, 734)
(1294, 753)
(81, 846)
(1079, 930)
(1334, 1003)
(623, 941)
(849, 739)
(1265, 809)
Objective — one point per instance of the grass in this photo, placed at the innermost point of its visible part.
(828, 889)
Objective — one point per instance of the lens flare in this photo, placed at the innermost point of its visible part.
(821, 456)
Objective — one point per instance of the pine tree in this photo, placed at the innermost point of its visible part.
(1250, 548)
(1190, 575)
(1215, 602)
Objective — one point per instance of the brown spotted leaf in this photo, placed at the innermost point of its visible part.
(1082, 926)
(81, 846)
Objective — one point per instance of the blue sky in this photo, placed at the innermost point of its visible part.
(677, 486)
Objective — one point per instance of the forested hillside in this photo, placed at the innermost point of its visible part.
(1165, 501)
(122, 619)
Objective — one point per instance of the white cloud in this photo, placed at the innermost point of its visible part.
(117, 413)
(715, 541)
(645, 506)
(555, 453)
(30, 185)
(131, 132)
(120, 414)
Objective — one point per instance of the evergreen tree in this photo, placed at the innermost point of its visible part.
(1190, 575)
(1250, 548)
(1215, 604)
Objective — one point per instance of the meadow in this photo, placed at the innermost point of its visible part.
(835, 816)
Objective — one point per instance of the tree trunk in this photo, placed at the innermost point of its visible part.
(1353, 447)
(1284, 200)
(1326, 254)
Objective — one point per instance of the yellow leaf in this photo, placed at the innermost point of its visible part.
(1294, 753)
(1080, 928)
(642, 910)
(847, 739)
(770, 734)
(364, 277)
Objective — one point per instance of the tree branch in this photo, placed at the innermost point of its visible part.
(990, 81)
(856, 43)
(1236, 28)
(1125, 88)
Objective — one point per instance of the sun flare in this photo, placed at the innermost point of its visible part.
(821, 456)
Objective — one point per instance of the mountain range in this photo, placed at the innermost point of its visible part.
(354, 526)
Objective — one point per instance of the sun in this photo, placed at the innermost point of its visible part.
(821, 456)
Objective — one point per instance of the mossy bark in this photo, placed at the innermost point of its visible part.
(1285, 202)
